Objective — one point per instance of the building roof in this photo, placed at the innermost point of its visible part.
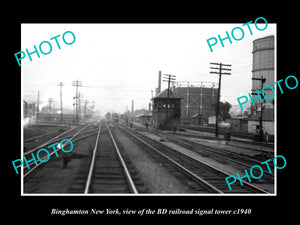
(263, 38)
(164, 94)
(29, 99)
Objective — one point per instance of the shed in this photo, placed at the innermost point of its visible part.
(145, 119)
(238, 124)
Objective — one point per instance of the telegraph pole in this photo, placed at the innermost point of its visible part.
(151, 103)
(170, 78)
(85, 108)
(74, 109)
(50, 101)
(262, 81)
(61, 107)
(76, 83)
(220, 72)
(79, 106)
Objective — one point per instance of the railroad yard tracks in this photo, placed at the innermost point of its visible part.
(70, 134)
(200, 176)
(104, 170)
(235, 159)
(101, 165)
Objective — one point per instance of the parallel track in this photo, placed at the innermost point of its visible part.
(208, 178)
(70, 134)
(240, 160)
(236, 159)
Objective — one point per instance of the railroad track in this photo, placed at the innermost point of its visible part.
(76, 132)
(238, 136)
(199, 176)
(237, 160)
(107, 171)
(234, 141)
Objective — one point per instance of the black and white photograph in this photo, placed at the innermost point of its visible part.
(148, 109)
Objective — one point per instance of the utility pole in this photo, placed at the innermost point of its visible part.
(170, 78)
(85, 108)
(76, 83)
(38, 107)
(79, 105)
(92, 107)
(262, 81)
(151, 103)
(74, 109)
(61, 107)
(132, 108)
(49, 102)
(220, 72)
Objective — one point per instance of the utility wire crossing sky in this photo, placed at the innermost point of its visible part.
(118, 63)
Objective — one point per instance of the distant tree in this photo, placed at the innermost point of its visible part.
(246, 113)
(224, 109)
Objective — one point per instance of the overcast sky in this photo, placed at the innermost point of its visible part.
(120, 62)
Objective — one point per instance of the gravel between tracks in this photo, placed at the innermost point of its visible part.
(52, 177)
(219, 163)
(157, 178)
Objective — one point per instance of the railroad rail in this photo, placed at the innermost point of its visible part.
(239, 136)
(108, 172)
(234, 158)
(209, 179)
(74, 132)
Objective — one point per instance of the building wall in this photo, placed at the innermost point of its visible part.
(28, 109)
(263, 65)
(197, 98)
(55, 118)
(160, 113)
(239, 125)
(268, 126)
(145, 119)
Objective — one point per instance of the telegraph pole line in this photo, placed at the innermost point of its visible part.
(61, 107)
(220, 72)
(76, 83)
(170, 78)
